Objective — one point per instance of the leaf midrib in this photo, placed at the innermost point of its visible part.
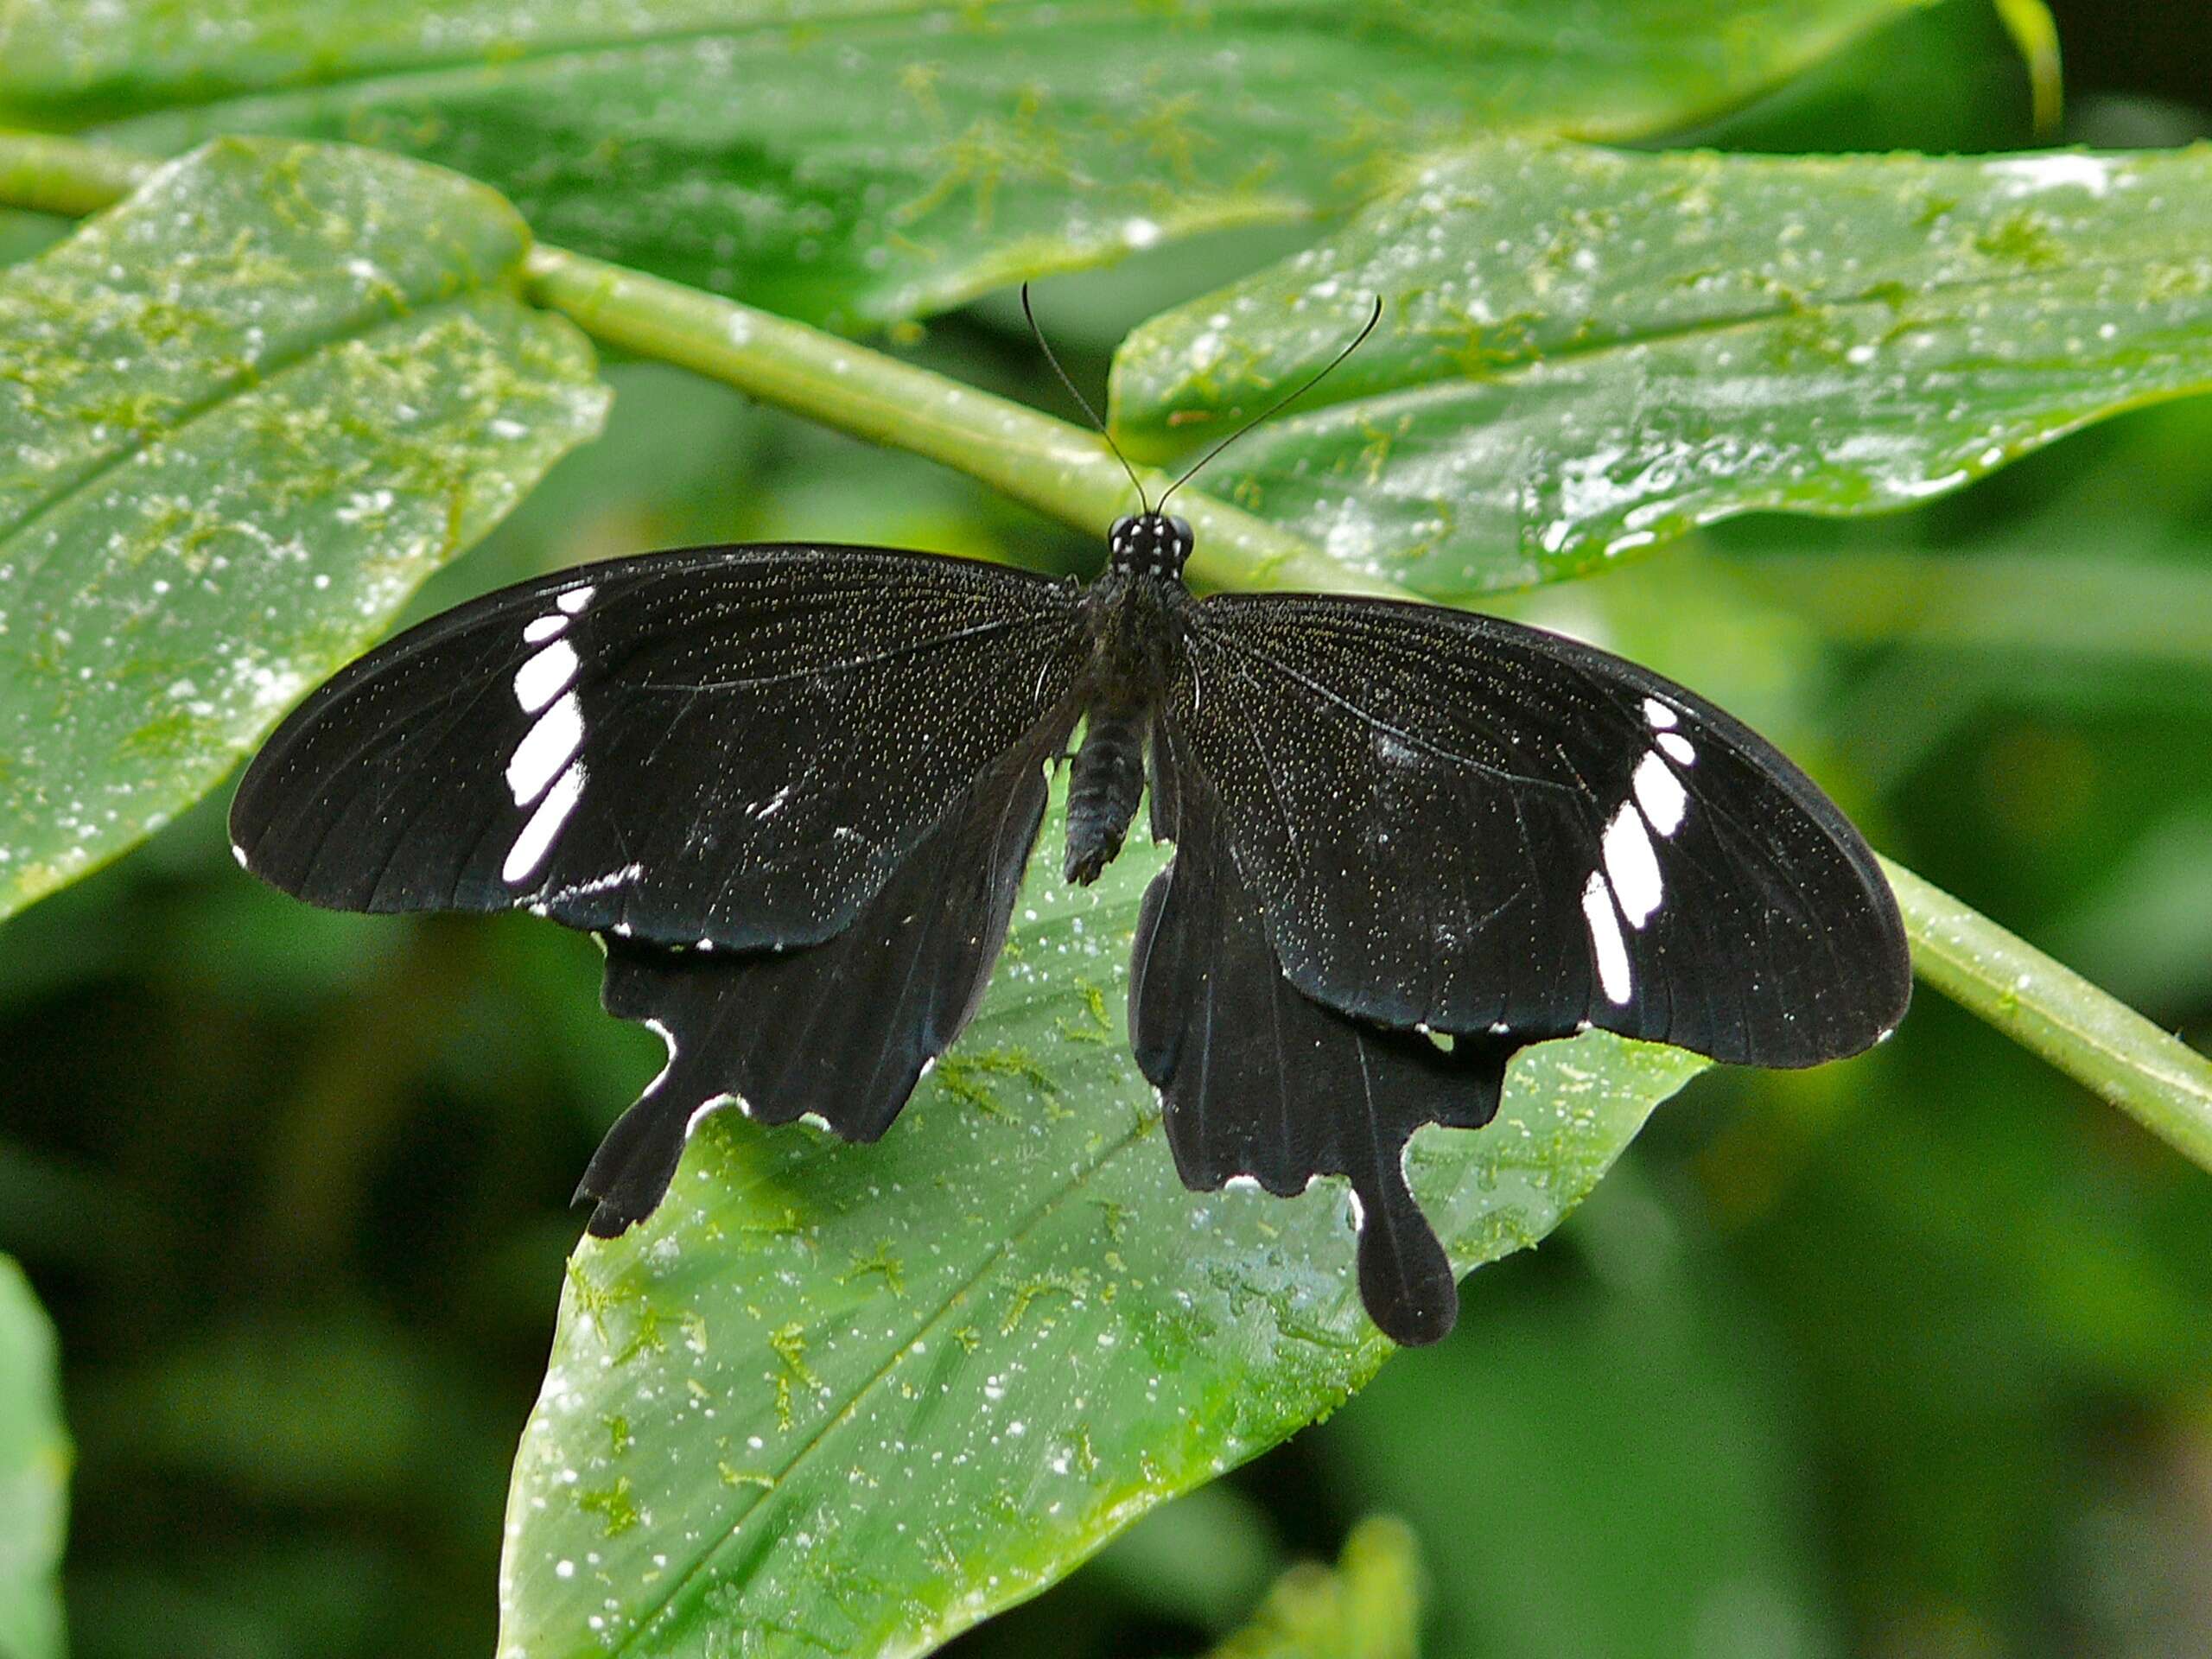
(999, 1253)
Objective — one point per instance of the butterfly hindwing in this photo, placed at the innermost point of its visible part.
(1450, 821)
(736, 744)
(1259, 1081)
(843, 1029)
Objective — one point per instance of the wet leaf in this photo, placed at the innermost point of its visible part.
(1584, 353)
(854, 161)
(34, 1460)
(242, 416)
(854, 1399)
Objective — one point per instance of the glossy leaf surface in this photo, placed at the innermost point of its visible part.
(855, 1399)
(858, 160)
(242, 416)
(1584, 353)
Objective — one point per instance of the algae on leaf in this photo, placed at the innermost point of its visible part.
(1584, 353)
(856, 161)
(858, 1398)
(243, 415)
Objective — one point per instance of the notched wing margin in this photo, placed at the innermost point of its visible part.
(1260, 1081)
(843, 1030)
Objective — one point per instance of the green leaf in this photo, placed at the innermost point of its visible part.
(857, 160)
(1627, 1468)
(1367, 1607)
(34, 1458)
(242, 416)
(1584, 353)
(856, 1398)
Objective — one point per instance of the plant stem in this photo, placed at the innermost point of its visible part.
(1061, 470)
(1068, 473)
(49, 175)
(2047, 1007)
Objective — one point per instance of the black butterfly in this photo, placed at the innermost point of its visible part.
(794, 789)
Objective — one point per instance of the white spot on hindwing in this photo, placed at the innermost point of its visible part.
(1605, 941)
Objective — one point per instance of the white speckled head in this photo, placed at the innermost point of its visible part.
(1149, 544)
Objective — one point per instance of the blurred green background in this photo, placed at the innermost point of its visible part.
(1907, 1357)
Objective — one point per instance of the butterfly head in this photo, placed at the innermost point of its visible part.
(1149, 544)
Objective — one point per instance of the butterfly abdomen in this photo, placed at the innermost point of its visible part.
(1104, 786)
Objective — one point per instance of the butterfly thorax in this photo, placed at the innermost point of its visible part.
(1131, 612)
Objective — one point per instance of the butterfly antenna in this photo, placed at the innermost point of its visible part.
(1044, 347)
(1279, 405)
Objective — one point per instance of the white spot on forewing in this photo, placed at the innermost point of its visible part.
(539, 629)
(546, 675)
(575, 598)
(1679, 746)
(1631, 866)
(1658, 713)
(545, 748)
(537, 837)
(1605, 941)
(1659, 792)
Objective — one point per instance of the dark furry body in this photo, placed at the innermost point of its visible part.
(1134, 625)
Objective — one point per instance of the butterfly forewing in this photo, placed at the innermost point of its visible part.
(738, 746)
(1449, 821)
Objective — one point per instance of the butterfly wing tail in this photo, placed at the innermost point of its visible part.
(631, 1171)
(839, 1031)
(1243, 1058)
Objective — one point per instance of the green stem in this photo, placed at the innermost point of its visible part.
(2047, 1007)
(1068, 473)
(63, 175)
(1061, 470)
